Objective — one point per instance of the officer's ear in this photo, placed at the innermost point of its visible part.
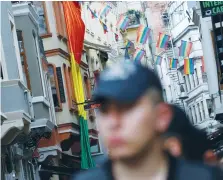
(164, 117)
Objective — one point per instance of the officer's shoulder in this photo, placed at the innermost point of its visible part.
(94, 173)
(199, 170)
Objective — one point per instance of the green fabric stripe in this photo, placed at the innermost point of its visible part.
(86, 158)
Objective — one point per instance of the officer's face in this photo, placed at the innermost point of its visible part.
(128, 130)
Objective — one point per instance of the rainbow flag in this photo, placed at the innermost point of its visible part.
(189, 66)
(173, 63)
(142, 34)
(105, 9)
(163, 40)
(185, 48)
(123, 22)
(75, 35)
(138, 55)
(158, 60)
(129, 45)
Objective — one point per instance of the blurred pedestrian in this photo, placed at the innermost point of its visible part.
(133, 118)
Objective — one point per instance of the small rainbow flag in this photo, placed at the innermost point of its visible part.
(138, 55)
(173, 63)
(158, 60)
(185, 48)
(105, 9)
(189, 66)
(142, 34)
(123, 22)
(163, 40)
(129, 43)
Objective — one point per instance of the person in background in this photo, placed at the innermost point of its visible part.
(184, 140)
(133, 118)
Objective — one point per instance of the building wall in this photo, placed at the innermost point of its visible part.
(7, 37)
(25, 24)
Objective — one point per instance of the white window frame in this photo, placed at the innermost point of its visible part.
(3, 63)
(40, 64)
(16, 45)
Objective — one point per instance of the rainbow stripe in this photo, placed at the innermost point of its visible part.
(93, 15)
(123, 22)
(158, 60)
(189, 66)
(173, 63)
(163, 40)
(104, 27)
(105, 9)
(142, 34)
(129, 43)
(138, 55)
(185, 48)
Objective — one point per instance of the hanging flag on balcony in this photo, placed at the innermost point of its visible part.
(158, 60)
(93, 14)
(75, 33)
(163, 40)
(188, 66)
(105, 9)
(105, 28)
(185, 48)
(142, 34)
(123, 22)
(138, 55)
(173, 63)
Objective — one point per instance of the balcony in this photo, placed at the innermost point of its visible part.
(16, 107)
(134, 17)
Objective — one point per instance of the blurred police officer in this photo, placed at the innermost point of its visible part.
(133, 118)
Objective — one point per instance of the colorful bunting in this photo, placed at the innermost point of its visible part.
(185, 48)
(138, 55)
(123, 22)
(105, 9)
(163, 40)
(142, 34)
(158, 60)
(173, 63)
(189, 66)
(93, 14)
(104, 27)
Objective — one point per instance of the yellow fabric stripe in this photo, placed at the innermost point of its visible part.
(78, 86)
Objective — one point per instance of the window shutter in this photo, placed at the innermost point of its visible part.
(60, 84)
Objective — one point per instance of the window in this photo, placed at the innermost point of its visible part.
(209, 105)
(199, 111)
(188, 82)
(44, 29)
(195, 115)
(95, 149)
(54, 87)
(196, 76)
(70, 88)
(164, 95)
(192, 79)
(60, 20)
(185, 82)
(23, 59)
(190, 114)
(203, 110)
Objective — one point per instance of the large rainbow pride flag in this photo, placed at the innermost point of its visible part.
(185, 48)
(75, 34)
(188, 66)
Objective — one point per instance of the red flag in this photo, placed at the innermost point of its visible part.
(75, 28)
